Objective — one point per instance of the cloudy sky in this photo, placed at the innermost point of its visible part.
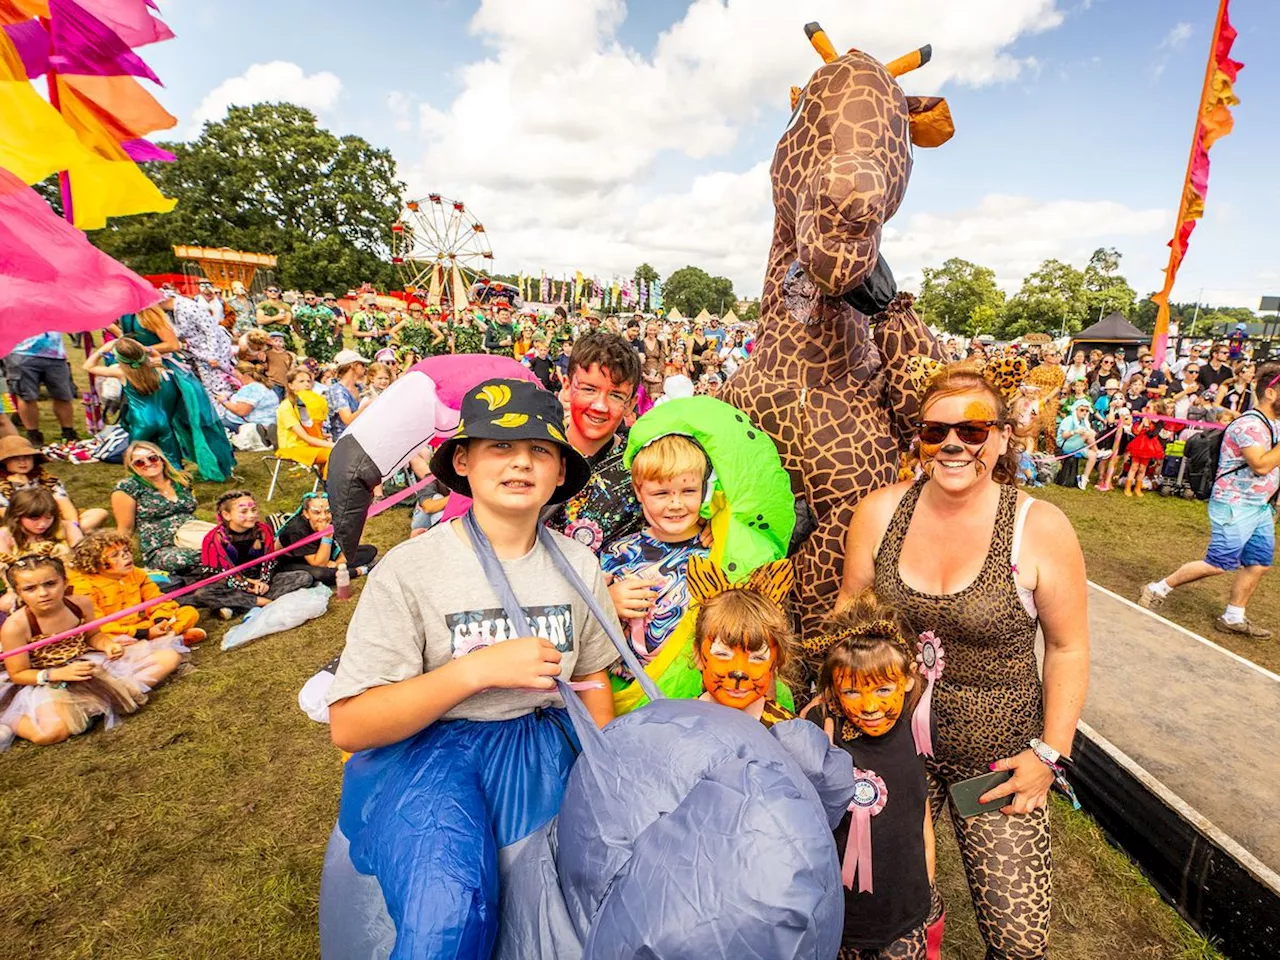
(597, 134)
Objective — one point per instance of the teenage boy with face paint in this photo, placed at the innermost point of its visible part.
(599, 390)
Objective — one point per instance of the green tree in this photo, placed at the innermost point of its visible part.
(1051, 298)
(752, 311)
(646, 273)
(1104, 290)
(961, 297)
(269, 179)
(692, 289)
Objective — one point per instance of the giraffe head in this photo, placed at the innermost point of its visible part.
(841, 168)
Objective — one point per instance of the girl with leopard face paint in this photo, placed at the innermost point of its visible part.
(868, 690)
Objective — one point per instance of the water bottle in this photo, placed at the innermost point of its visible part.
(343, 581)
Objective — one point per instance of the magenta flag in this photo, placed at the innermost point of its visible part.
(141, 151)
(83, 44)
(51, 277)
(32, 43)
(129, 20)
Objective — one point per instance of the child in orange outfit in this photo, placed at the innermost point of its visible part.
(103, 571)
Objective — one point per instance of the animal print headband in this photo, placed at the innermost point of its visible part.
(771, 580)
(818, 647)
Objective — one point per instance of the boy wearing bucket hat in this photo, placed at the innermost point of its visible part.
(453, 714)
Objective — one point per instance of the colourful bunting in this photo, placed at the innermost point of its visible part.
(1213, 122)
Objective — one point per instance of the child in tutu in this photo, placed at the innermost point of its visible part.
(53, 692)
(103, 570)
(869, 689)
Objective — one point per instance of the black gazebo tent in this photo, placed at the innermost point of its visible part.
(1109, 334)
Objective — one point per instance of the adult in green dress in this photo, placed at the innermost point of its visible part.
(168, 407)
(466, 334)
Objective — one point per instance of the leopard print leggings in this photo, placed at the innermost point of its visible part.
(911, 947)
(1008, 866)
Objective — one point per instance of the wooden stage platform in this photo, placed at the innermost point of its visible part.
(1178, 758)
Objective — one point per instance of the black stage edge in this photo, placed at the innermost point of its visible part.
(1223, 891)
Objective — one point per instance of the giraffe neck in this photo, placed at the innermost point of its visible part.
(805, 354)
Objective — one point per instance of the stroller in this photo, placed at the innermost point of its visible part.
(1173, 480)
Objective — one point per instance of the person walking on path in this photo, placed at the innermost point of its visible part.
(1242, 535)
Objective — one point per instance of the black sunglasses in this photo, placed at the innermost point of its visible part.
(973, 433)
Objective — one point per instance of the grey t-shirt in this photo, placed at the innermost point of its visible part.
(428, 602)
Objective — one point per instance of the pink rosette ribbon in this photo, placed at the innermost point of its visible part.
(930, 661)
(869, 797)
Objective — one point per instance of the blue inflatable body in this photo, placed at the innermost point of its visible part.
(685, 829)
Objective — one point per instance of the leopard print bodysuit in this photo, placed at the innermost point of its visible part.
(988, 705)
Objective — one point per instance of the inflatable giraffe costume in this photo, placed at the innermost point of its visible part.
(828, 378)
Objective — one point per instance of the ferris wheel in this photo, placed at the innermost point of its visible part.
(440, 248)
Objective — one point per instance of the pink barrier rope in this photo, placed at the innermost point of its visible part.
(92, 625)
(1067, 456)
(1182, 423)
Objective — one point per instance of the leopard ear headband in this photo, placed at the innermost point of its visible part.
(771, 580)
(883, 628)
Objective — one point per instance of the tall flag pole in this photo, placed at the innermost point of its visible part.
(1213, 121)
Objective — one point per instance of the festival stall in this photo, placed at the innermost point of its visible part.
(1110, 334)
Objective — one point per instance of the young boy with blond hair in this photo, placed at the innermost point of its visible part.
(648, 582)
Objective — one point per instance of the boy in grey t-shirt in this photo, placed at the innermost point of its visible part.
(464, 746)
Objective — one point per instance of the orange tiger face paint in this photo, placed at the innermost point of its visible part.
(873, 702)
(734, 676)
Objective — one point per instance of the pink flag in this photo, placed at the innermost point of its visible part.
(51, 277)
(129, 20)
(84, 44)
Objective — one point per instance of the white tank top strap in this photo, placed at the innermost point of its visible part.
(1027, 597)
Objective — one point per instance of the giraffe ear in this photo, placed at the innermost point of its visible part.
(773, 580)
(930, 119)
(706, 579)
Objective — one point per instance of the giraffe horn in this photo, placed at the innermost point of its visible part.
(911, 61)
(818, 37)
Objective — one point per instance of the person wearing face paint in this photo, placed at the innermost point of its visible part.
(962, 553)
(599, 391)
(102, 569)
(646, 569)
(742, 637)
(31, 526)
(868, 690)
(238, 537)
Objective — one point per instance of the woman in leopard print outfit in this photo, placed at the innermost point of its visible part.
(921, 544)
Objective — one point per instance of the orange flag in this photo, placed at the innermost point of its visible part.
(1213, 122)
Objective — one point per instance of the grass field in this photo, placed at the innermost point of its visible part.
(197, 829)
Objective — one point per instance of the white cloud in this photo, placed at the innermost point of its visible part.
(1177, 36)
(1013, 234)
(578, 179)
(278, 80)
(400, 105)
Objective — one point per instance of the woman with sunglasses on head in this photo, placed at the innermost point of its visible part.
(962, 553)
(155, 501)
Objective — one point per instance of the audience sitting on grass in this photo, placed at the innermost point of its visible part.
(239, 537)
(156, 502)
(31, 527)
(102, 569)
(22, 468)
(55, 691)
(320, 558)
